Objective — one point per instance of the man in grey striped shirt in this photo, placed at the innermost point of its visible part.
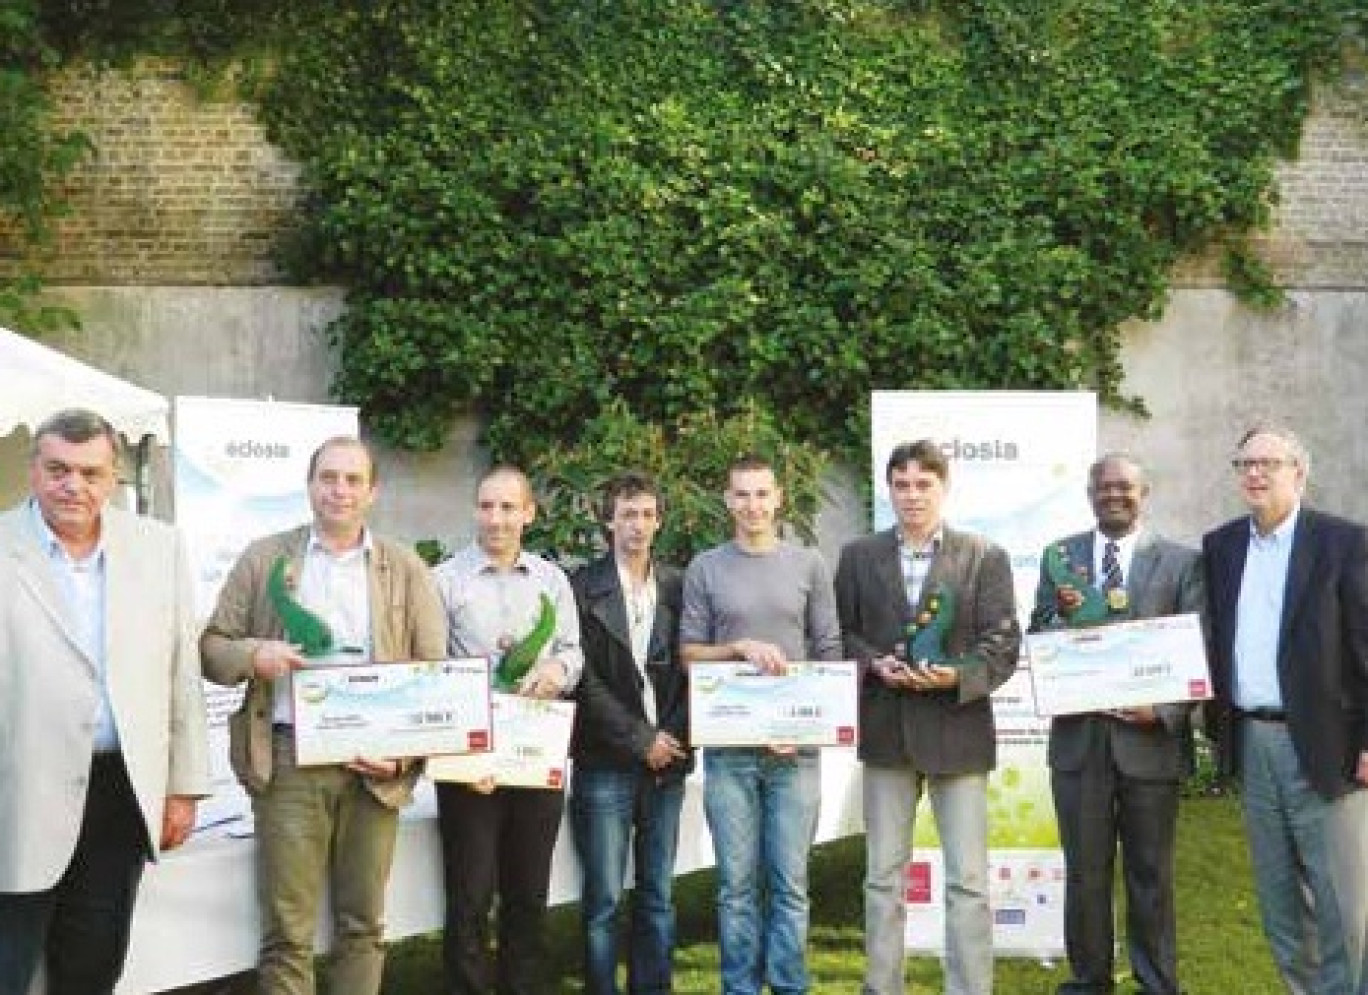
(499, 840)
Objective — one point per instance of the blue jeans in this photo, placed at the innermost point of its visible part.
(610, 811)
(762, 812)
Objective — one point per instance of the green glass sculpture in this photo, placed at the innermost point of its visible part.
(522, 655)
(928, 632)
(1096, 606)
(303, 628)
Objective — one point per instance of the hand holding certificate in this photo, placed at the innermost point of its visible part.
(735, 704)
(388, 711)
(531, 743)
(1119, 666)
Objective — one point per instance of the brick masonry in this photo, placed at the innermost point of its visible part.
(180, 190)
(185, 190)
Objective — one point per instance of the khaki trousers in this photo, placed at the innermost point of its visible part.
(317, 826)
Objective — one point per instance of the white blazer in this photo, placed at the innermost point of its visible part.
(50, 690)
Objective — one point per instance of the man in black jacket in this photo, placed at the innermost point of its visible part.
(630, 757)
(1288, 590)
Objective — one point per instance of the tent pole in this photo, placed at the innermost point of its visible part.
(142, 475)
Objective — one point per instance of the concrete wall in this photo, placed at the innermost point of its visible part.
(1206, 370)
(265, 343)
(1211, 367)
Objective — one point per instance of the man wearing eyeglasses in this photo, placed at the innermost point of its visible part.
(1288, 595)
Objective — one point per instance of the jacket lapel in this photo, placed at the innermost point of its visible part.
(1305, 537)
(1232, 549)
(34, 570)
(944, 567)
(1144, 561)
(609, 605)
(888, 573)
(1080, 550)
(379, 582)
(123, 582)
(662, 625)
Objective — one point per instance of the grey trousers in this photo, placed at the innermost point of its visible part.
(1310, 860)
(960, 806)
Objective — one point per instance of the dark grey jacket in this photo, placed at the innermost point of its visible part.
(939, 732)
(1165, 579)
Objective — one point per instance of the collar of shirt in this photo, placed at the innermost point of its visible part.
(925, 551)
(628, 582)
(484, 563)
(1125, 552)
(1276, 537)
(315, 545)
(53, 545)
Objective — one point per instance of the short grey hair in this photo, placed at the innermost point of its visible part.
(75, 425)
(1300, 453)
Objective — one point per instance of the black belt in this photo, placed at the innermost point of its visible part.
(1262, 714)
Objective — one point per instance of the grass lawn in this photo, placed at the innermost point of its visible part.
(1221, 948)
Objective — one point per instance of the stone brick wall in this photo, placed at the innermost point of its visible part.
(181, 189)
(185, 190)
(1319, 236)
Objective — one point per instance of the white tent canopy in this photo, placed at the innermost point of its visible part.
(36, 381)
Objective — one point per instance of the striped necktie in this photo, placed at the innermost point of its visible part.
(1111, 566)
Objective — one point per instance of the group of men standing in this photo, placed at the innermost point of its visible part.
(102, 719)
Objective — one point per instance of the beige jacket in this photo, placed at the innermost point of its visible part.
(407, 623)
(50, 689)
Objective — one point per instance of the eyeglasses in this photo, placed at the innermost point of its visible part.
(1264, 464)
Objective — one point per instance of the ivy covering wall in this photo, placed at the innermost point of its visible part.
(542, 207)
(549, 213)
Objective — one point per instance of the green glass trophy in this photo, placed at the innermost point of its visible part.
(1097, 606)
(926, 635)
(303, 628)
(514, 664)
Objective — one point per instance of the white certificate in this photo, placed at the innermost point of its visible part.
(813, 704)
(531, 742)
(387, 711)
(1150, 661)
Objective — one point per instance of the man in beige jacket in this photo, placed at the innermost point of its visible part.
(335, 822)
(102, 740)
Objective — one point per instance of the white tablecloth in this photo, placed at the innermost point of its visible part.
(197, 920)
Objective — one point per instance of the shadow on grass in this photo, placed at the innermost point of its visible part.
(1221, 948)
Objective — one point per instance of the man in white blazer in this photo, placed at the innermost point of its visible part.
(102, 726)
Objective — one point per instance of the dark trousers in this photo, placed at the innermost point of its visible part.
(1098, 808)
(79, 927)
(497, 843)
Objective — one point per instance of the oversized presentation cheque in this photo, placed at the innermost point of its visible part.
(1148, 661)
(388, 711)
(531, 742)
(734, 704)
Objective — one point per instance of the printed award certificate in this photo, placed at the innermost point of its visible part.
(813, 704)
(1150, 661)
(387, 711)
(531, 742)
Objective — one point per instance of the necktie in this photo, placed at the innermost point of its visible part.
(1111, 566)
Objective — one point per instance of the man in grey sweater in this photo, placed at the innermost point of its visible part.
(768, 602)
